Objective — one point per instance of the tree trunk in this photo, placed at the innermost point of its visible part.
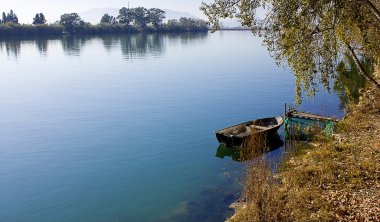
(373, 8)
(361, 68)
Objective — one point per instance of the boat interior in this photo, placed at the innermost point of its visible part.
(247, 128)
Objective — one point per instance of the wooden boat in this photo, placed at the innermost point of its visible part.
(305, 126)
(237, 135)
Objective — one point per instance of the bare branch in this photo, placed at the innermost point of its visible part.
(373, 8)
(361, 68)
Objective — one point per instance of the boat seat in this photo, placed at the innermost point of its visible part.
(248, 129)
(259, 127)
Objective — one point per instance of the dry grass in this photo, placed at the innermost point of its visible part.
(258, 185)
(328, 180)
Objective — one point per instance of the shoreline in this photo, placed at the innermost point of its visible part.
(335, 179)
(30, 31)
(58, 31)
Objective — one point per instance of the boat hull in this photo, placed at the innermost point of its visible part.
(274, 142)
(238, 140)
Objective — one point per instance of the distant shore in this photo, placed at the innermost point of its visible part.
(57, 30)
(129, 20)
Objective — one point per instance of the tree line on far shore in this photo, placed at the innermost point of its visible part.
(129, 20)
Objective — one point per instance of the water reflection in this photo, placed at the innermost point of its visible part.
(274, 142)
(188, 38)
(12, 48)
(72, 45)
(140, 45)
(132, 46)
(42, 46)
(349, 81)
(110, 42)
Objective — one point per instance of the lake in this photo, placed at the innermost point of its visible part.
(121, 128)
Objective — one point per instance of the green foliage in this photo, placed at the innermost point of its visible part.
(349, 82)
(144, 20)
(30, 30)
(309, 36)
(72, 22)
(140, 17)
(10, 17)
(187, 24)
(156, 16)
(108, 19)
(39, 19)
(125, 16)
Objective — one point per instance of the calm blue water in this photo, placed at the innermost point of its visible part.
(120, 128)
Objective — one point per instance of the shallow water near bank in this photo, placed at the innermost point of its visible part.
(121, 128)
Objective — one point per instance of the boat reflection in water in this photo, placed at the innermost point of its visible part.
(272, 142)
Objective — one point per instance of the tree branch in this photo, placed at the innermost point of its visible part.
(317, 30)
(361, 68)
(373, 8)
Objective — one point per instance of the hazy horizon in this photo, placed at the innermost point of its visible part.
(54, 8)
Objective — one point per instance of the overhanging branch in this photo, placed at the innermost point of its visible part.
(361, 68)
(373, 8)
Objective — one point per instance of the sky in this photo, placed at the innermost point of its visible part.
(52, 9)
